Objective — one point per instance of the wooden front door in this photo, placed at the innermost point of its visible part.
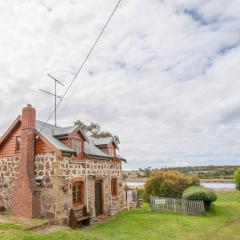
(98, 198)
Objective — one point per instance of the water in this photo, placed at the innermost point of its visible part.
(135, 184)
(218, 185)
(205, 184)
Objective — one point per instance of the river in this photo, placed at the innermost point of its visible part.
(214, 185)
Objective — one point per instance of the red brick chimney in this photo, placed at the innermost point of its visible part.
(25, 200)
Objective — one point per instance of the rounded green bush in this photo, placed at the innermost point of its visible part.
(200, 193)
(237, 179)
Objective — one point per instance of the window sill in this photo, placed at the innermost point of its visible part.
(78, 205)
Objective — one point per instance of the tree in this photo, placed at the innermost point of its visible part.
(168, 184)
(147, 172)
(94, 130)
(124, 176)
(237, 178)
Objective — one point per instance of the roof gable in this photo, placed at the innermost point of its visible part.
(50, 133)
(69, 131)
(92, 150)
(104, 141)
(10, 130)
(48, 130)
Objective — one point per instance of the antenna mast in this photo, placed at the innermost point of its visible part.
(54, 94)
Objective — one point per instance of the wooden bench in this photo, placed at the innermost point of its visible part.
(79, 217)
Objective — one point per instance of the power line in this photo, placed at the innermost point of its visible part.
(83, 63)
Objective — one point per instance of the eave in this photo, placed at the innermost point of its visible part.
(10, 129)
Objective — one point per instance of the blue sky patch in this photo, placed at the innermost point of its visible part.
(198, 17)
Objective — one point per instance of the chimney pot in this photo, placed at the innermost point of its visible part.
(28, 117)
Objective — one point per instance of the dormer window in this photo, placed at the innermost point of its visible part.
(76, 145)
(112, 152)
(18, 143)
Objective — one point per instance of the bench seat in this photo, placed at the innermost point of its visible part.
(78, 218)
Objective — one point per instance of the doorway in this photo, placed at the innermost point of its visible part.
(98, 198)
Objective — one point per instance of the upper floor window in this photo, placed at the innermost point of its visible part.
(76, 145)
(18, 143)
(78, 193)
(111, 152)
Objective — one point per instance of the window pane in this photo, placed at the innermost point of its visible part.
(77, 192)
(114, 186)
(18, 143)
(76, 145)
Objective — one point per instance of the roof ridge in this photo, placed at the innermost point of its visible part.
(49, 124)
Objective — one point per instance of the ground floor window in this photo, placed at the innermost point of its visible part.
(114, 187)
(78, 193)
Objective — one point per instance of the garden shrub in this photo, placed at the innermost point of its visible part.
(140, 192)
(200, 193)
(168, 184)
(237, 179)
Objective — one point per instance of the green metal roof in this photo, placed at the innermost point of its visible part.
(63, 131)
(121, 158)
(50, 132)
(102, 141)
(91, 149)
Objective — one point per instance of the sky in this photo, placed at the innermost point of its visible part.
(164, 77)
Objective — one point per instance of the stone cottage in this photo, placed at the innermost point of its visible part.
(47, 170)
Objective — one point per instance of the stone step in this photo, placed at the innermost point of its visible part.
(42, 225)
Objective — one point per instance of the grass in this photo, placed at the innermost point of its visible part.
(221, 223)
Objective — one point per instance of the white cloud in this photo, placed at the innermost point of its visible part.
(164, 77)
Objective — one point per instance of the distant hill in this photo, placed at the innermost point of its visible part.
(203, 172)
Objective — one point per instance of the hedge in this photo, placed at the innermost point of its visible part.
(200, 193)
(237, 179)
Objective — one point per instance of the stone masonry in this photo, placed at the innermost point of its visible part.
(56, 194)
(55, 189)
(9, 167)
(36, 184)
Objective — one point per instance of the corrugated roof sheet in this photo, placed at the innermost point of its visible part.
(65, 130)
(121, 158)
(102, 141)
(49, 131)
(91, 149)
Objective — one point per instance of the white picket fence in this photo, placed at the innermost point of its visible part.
(177, 205)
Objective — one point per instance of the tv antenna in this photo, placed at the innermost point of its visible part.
(54, 94)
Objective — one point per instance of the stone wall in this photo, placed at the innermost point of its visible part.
(45, 168)
(9, 167)
(91, 170)
(54, 176)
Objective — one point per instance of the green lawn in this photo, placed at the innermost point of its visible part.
(221, 223)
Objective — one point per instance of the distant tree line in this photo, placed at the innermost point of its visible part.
(207, 172)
